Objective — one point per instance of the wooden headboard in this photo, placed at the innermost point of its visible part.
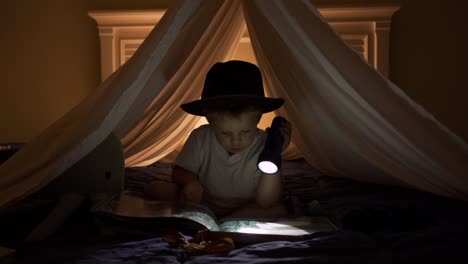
(366, 29)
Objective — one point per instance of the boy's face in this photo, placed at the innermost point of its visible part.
(235, 133)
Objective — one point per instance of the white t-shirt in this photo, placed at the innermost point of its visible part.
(229, 181)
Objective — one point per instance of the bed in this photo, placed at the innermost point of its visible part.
(376, 224)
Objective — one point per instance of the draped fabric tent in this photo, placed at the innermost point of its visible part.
(349, 121)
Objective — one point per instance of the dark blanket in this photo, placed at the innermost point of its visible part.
(377, 224)
(339, 247)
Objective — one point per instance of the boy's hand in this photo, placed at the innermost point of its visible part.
(192, 192)
(285, 130)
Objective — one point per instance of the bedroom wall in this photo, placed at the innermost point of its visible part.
(429, 58)
(50, 58)
(51, 55)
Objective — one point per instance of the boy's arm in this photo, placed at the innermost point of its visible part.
(270, 186)
(190, 188)
(267, 200)
(269, 190)
(181, 176)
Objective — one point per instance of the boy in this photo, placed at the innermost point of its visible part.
(218, 164)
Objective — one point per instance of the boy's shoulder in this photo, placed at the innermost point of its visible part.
(203, 129)
(202, 132)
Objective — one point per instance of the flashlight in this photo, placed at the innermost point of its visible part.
(269, 161)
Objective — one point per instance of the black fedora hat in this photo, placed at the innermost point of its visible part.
(232, 85)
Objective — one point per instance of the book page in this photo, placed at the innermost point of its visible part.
(125, 205)
(287, 226)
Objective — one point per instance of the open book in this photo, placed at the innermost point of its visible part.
(191, 218)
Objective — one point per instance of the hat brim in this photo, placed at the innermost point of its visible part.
(265, 104)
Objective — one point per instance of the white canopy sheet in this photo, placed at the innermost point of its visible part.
(349, 121)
